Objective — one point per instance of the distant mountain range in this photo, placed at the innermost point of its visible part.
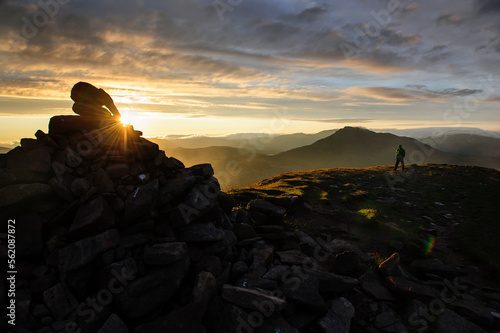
(3, 150)
(347, 147)
(264, 143)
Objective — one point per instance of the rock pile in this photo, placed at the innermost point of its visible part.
(114, 236)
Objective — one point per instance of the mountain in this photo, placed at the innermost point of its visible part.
(357, 147)
(425, 132)
(466, 144)
(347, 147)
(264, 143)
(3, 150)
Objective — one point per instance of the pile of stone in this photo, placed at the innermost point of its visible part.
(114, 236)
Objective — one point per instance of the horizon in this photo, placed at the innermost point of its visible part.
(277, 67)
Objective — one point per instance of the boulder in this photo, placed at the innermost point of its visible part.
(149, 292)
(338, 319)
(165, 253)
(13, 194)
(113, 324)
(252, 299)
(37, 160)
(91, 218)
(59, 301)
(82, 252)
(140, 201)
(275, 213)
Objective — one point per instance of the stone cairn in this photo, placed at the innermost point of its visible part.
(112, 236)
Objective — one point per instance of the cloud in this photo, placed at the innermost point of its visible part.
(410, 93)
(449, 19)
(491, 99)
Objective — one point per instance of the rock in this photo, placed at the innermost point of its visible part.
(117, 170)
(390, 266)
(35, 160)
(437, 267)
(252, 299)
(172, 163)
(62, 187)
(140, 201)
(197, 202)
(450, 322)
(338, 318)
(262, 257)
(82, 252)
(244, 231)
(346, 263)
(59, 301)
(409, 289)
(184, 319)
(333, 283)
(275, 213)
(204, 287)
(80, 186)
(222, 316)
(276, 272)
(103, 182)
(202, 170)
(307, 244)
(275, 324)
(29, 240)
(474, 311)
(293, 257)
(92, 217)
(15, 176)
(226, 202)
(165, 253)
(13, 194)
(176, 187)
(373, 286)
(239, 268)
(114, 324)
(304, 291)
(200, 232)
(148, 293)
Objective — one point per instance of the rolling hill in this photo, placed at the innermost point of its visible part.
(347, 147)
(467, 144)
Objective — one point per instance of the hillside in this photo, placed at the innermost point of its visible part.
(347, 147)
(467, 144)
(376, 207)
(264, 143)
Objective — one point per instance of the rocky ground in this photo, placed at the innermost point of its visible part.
(114, 236)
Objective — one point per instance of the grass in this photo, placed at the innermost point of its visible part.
(458, 205)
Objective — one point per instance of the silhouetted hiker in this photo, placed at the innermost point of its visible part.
(89, 101)
(400, 157)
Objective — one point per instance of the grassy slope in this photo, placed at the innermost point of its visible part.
(457, 205)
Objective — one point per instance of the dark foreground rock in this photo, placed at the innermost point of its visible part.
(114, 236)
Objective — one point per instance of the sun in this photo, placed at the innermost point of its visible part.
(125, 120)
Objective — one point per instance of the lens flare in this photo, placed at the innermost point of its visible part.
(430, 245)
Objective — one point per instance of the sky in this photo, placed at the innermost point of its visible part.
(198, 67)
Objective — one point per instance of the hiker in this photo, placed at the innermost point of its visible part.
(400, 157)
(89, 101)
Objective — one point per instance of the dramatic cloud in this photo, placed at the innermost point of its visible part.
(321, 60)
